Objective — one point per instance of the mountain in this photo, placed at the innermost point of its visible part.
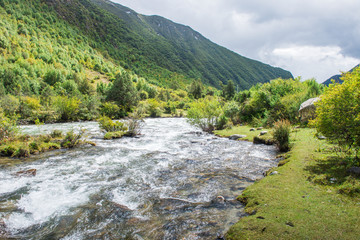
(337, 78)
(159, 49)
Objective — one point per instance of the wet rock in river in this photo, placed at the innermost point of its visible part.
(8, 206)
(122, 207)
(221, 199)
(26, 173)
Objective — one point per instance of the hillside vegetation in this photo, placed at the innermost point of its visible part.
(158, 49)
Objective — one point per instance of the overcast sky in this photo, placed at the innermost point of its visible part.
(310, 38)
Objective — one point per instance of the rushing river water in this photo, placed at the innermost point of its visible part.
(166, 184)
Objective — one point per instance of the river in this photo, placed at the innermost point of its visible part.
(169, 183)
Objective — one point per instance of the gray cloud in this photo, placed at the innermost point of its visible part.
(262, 29)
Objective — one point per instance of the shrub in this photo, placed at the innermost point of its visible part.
(113, 135)
(231, 110)
(204, 113)
(72, 139)
(222, 122)
(134, 125)
(112, 110)
(105, 123)
(21, 152)
(338, 113)
(153, 108)
(170, 108)
(8, 127)
(34, 147)
(56, 134)
(45, 138)
(53, 76)
(67, 108)
(281, 134)
(7, 150)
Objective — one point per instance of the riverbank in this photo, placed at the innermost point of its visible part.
(312, 196)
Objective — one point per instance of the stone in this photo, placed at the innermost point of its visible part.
(26, 173)
(236, 137)
(354, 170)
(260, 128)
(220, 199)
(263, 133)
(290, 224)
(274, 173)
(252, 129)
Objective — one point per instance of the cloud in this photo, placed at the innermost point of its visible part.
(253, 28)
(306, 59)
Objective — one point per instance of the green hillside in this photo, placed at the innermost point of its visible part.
(151, 45)
(60, 59)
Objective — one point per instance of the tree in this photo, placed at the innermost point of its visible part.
(123, 91)
(338, 113)
(196, 89)
(229, 90)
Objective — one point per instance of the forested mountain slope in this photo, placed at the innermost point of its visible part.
(152, 46)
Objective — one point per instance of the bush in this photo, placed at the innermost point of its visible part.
(112, 110)
(67, 108)
(338, 113)
(281, 134)
(231, 110)
(8, 127)
(34, 147)
(72, 139)
(113, 135)
(204, 114)
(21, 152)
(221, 122)
(56, 134)
(105, 123)
(7, 150)
(134, 125)
(153, 108)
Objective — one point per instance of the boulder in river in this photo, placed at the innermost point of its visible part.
(236, 137)
(26, 173)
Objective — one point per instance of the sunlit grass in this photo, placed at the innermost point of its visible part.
(305, 200)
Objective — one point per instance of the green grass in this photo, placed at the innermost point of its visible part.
(243, 130)
(303, 201)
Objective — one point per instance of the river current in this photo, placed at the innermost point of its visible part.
(171, 182)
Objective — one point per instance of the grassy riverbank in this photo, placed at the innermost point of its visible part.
(311, 197)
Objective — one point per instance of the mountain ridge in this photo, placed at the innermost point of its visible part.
(337, 78)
